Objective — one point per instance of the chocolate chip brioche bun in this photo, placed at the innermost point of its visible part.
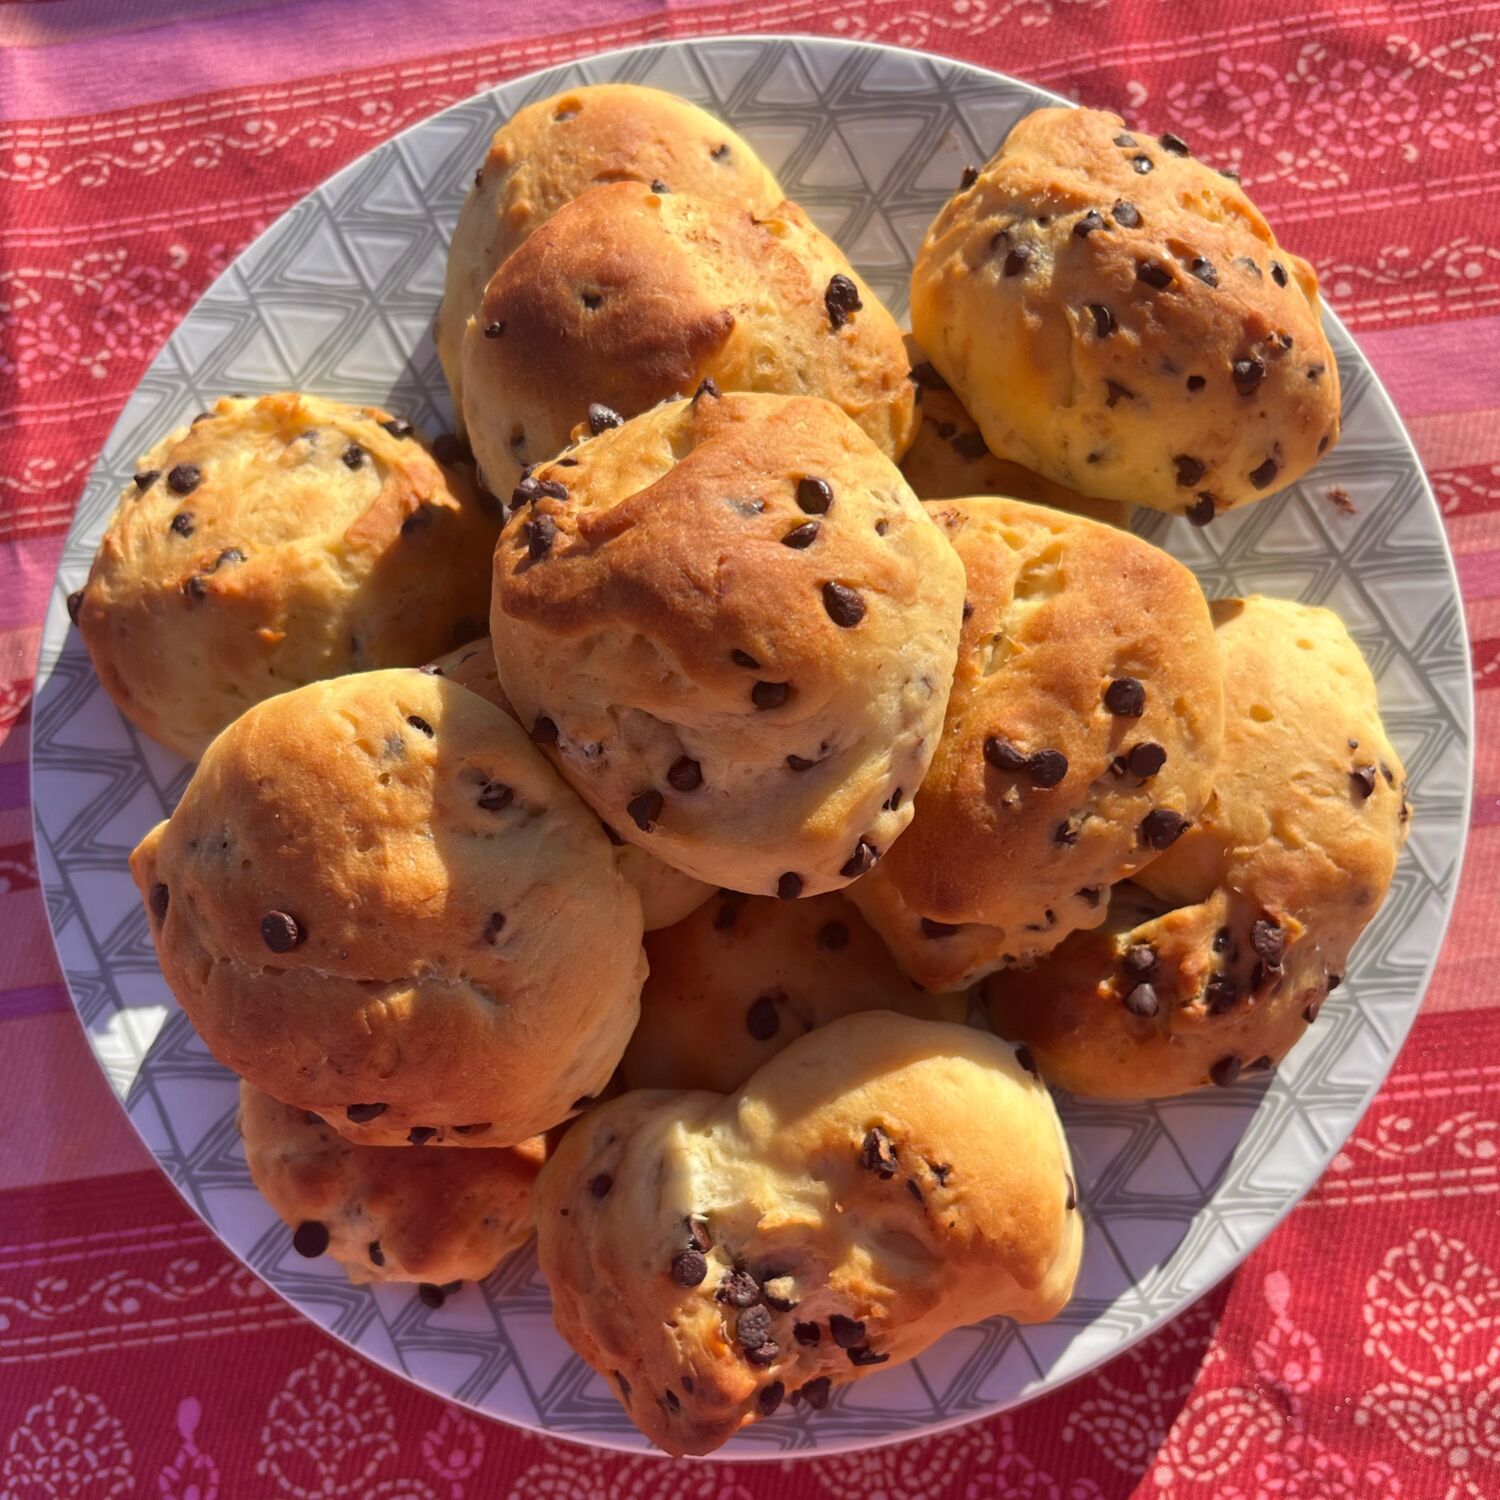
(881, 1181)
(1121, 319)
(667, 895)
(548, 153)
(744, 976)
(272, 543)
(1220, 957)
(949, 461)
(383, 1212)
(733, 628)
(375, 901)
(1081, 739)
(627, 297)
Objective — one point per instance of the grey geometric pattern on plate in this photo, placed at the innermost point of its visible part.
(338, 297)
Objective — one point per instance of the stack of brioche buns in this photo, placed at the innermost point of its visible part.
(694, 810)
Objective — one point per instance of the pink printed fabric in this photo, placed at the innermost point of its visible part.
(142, 145)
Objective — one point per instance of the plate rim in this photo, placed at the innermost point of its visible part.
(54, 633)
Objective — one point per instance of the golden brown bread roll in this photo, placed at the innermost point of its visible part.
(272, 543)
(377, 902)
(388, 1213)
(548, 153)
(1220, 957)
(733, 628)
(1081, 737)
(627, 297)
(1120, 318)
(744, 976)
(879, 1182)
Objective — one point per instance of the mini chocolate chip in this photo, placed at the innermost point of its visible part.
(1203, 269)
(861, 1354)
(540, 533)
(602, 418)
(1125, 697)
(762, 1020)
(801, 763)
(420, 724)
(1362, 778)
(926, 375)
(1142, 163)
(1220, 992)
(1142, 1002)
(698, 1236)
(807, 1334)
(645, 808)
(1126, 214)
(146, 478)
(1104, 319)
(1018, 259)
(1202, 510)
(841, 299)
(1003, 755)
(183, 479)
(353, 456)
(419, 1135)
(937, 930)
(753, 1327)
(970, 446)
(685, 774)
(310, 1238)
(1174, 143)
(593, 301)
(398, 427)
(814, 495)
(430, 1295)
(689, 1267)
(1027, 1061)
(281, 931)
(802, 536)
(1247, 375)
(1089, 894)
(877, 1153)
(1139, 959)
(1314, 371)
(494, 330)
(494, 796)
(914, 1190)
(1146, 759)
(1067, 832)
(1189, 469)
(770, 1398)
(1278, 273)
(709, 387)
(494, 925)
(1115, 393)
(969, 177)
(1072, 1199)
(789, 886)
(1226, 1070)
(845, 607)
(1161, 827)
(1047, 767)
(600, 1184)
(670, 1397)
(1312, 1008)
(766, 695)
(743, 659)
(182, 523)
(858, 863)
(543, 730)
(1264, 473)
(1196, 382)
(75, 605)
(362, 1114)
(376, 1254)
(847, 1332)
(160, 896)
(1125, 140)
(738, 1288)
(1091, 221)
(816, 1392)
(1153, 274)
(1268, 940)
(764, 1355)
(893, 802)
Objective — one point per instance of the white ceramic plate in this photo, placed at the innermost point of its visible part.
(338, 297)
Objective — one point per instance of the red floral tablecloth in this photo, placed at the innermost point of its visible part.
(142, 144)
